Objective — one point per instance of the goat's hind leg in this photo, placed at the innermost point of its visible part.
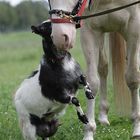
(28, 130)
(45, 138)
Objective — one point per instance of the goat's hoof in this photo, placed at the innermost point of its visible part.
(90, 95)
(84, 119)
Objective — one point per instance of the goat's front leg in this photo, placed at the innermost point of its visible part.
(67, 99)
(88, 91)
(81, 115)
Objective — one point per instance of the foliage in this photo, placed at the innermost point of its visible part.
(21, 16)
(8, 16)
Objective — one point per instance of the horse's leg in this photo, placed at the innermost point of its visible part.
(90, 43)
(133, 71)
(103, 72)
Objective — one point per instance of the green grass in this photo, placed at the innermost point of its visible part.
(20, 53)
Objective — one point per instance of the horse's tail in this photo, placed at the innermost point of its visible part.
(122, 95)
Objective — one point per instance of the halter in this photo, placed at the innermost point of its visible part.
(67, 17)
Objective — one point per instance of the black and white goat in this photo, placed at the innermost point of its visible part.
(43, 96)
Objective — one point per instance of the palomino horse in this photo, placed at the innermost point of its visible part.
(125, 22)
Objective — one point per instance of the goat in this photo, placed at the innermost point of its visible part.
(43, 96)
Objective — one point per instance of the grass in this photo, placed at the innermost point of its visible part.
(20, 53)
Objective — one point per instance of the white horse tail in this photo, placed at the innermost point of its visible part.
(122, 95)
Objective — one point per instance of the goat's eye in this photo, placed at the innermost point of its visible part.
(42, 28)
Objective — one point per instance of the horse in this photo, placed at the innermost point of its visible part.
(124, 28)
(42, 98)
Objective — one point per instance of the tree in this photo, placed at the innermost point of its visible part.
(22, 16)
(8, 16)
(30, 13)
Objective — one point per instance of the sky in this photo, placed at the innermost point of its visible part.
(15, 2)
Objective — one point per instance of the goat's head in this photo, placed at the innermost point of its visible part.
(44, 29)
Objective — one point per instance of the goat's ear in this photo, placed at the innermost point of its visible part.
(35, 29)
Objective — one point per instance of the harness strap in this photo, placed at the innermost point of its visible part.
(49, 4)
(83, 6)
(61, 20)
(90, 2)
(76, 8)
(59, 12)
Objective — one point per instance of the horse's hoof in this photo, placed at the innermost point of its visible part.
(90, 95)
(104, 121)
(88, 136)
(136, 137)
(136, 132)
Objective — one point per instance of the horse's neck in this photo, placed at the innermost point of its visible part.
(114, 1)
(108, 4)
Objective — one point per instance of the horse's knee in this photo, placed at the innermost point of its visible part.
(90, 127)
(133, 79)
(94, 84)
(103, 70)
